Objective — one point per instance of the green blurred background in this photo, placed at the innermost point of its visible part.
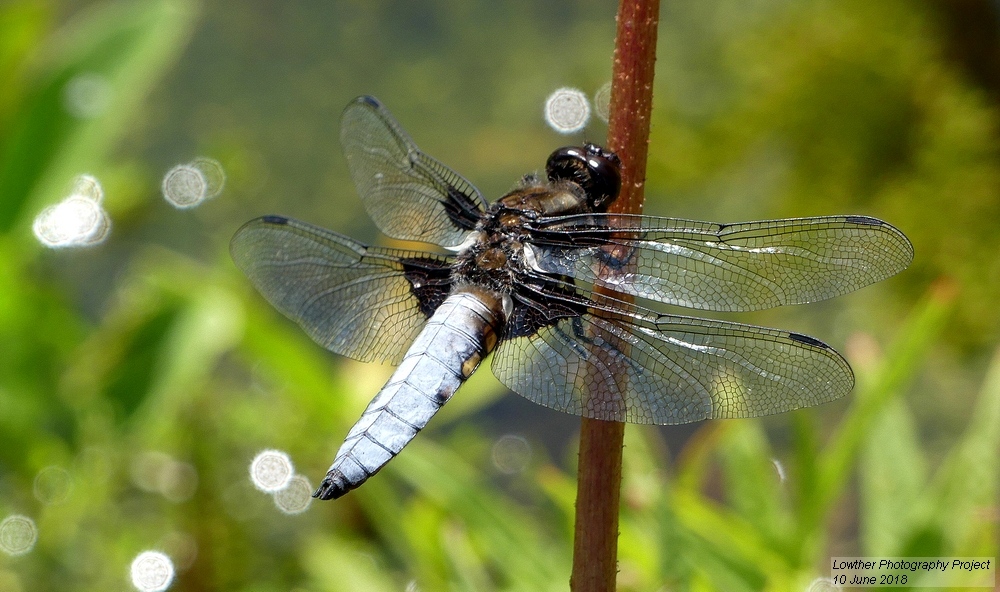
(140, 376)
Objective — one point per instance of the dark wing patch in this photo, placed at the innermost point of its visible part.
(366, 303)
(461, 209)
(535, 308)
(408, 194)
(430, 282)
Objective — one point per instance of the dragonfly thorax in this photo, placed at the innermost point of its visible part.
(494, 255)
(534, 198)
(495, 260)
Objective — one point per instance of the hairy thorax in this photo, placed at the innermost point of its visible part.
(493, 258)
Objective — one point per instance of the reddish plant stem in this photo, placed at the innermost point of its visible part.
(595, 544)
(632, 97)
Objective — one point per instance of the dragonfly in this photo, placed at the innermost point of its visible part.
(544, 279)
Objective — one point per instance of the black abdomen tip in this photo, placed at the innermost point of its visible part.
(332, 487)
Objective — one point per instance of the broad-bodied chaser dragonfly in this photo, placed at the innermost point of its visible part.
(522, 285)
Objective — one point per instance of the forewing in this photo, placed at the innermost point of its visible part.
(363, 302)
(724, 267)
(637, 366)
(408, 194)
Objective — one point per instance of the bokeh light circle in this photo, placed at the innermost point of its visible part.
(87, 95)
(602, 102)
(213, 173)
(184, 186)
(75, 221)
(271, 470)
(18, 534)
(187, 185)
(52, 485)
(152, 571)
(823, 585)
(88, 186)
(79, 220)
(567, 110)
(295, 497)
(511, 454)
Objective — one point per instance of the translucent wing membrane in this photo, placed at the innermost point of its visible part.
(624, 363)
(362, 302)
(408, 194)
(724, 267)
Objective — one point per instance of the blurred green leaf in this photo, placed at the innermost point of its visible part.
(133, 376)
(754, 487)
(22, 24)
(205, 329)
(901, 364)
(893, 475)
(124, 48)
(516, 543)
(730, 538)
(966, 484)
(339, 566)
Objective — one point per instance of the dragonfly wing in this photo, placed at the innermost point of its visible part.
(618, 362)
(723, 267)
(362, 302)
(408, 194)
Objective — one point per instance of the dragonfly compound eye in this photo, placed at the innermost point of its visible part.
(595, 170)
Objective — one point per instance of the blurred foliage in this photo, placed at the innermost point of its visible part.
(153, 343)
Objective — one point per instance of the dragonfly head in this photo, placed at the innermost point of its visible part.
(595, 170)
